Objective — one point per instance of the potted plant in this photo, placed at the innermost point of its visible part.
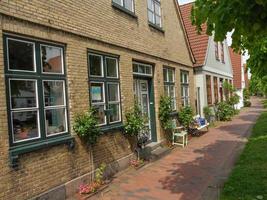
(166, 116)
(86, 127)
(135, 129)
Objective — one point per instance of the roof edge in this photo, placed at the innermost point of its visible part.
(184, 32)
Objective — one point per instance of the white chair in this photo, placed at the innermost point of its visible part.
(178, 132)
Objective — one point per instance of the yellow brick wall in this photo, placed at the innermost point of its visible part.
(99, 20)
(42, 170)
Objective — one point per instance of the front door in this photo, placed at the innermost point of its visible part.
(141, 93)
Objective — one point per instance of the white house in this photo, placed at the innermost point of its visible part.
(213, 64)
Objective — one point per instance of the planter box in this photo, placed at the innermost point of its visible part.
(88, 196)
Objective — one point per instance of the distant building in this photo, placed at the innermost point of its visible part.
(212, 66)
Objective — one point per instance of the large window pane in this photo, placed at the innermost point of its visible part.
(96, 64)
(113, 93)
(120, 2)
(115, 113)
(112, 67)
(157, 9)
(52, 59)
(21, 55)
(171, 75)
(150, 5)
(25, 125)
(55, 121)
(150, 16)
(23, 93)
(129, 5)
(100, 113)
(53, 93)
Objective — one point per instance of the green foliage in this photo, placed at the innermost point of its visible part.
(264, 102)
(247, 20)
(246, 94)
(207, 112)
(85, 125)
(225, 111)
(99, 174)
(248, 179)
(135, 121)
(186, 116)
(258, 86)
(165, 109)
(234, 99)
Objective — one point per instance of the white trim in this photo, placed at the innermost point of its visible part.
(102, 64)
(38, 123)
(117, 67)
(61, 55)
(46, 125)
(115, 102)
(64, 92)
(34, 55)
(215, 71)
(145, 65)
(99, 103)
(10, 96)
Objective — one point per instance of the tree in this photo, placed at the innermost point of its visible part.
(248, 21)
(258, 86)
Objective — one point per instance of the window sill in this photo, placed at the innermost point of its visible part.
(15, 152)
(156, 27)
(128, 12)
(111, 128)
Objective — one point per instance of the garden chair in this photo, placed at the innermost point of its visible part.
(179, 132)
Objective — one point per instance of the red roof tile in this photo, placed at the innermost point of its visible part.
(237, 70)
(198, 42)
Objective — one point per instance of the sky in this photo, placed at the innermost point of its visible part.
(184, 1)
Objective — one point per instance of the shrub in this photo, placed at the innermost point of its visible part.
(246, 94)
(234, 99)
(207, 112)
(165, 109)
(85, 125)
(247, 103)
(135, 121)
(225, 111)
(186, 116)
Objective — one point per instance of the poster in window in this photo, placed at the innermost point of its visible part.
(96, 92)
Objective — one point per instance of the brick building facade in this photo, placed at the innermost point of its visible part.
(33, 31)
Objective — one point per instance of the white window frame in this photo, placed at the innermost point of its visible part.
(184, 87)
(143, 65)
(100, 103)
(122, 4)
(115, 102)
(61, 55)
(117, 67)
(64, 106)
(170, 83)
(154, 12)
(30, 109)
(102, 65)
(34, 55)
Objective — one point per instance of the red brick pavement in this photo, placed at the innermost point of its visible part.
(189, 173)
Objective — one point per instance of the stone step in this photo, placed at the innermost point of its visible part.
(159, 152)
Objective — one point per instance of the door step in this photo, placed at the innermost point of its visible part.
(154, 151)
(159, 152)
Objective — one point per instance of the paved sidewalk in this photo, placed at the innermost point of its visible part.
(193, 173)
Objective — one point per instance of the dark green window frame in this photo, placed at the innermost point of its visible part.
(105, 80)
(44, 139)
